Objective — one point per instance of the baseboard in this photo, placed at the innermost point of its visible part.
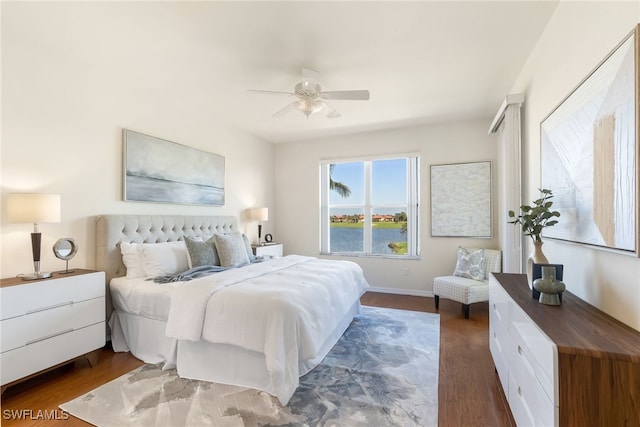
(395, 291)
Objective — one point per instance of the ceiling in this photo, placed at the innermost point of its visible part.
(423, 62)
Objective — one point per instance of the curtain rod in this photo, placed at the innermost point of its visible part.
(517, 98)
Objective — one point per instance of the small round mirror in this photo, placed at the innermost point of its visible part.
(65, 248)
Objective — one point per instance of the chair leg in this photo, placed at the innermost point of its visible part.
(465, 310)
(437, 298)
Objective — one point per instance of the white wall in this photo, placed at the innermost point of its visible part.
(297, 195)
(578, 37)
(74, 75)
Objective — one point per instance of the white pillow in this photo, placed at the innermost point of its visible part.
(231, 249)
(132, 259)
(161, 259)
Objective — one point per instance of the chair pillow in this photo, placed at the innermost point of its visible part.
(470, 263)
(202, 253)
(231, 249)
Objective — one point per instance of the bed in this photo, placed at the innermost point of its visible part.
(262, 325)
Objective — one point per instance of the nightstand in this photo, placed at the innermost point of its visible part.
(273, 249)
(46, 323)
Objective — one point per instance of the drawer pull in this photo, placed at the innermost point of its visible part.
(525, 406)
(526, 363)
(50, 307)
(497, 312)
(66, 331)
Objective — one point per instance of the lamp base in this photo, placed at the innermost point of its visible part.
(36, 276)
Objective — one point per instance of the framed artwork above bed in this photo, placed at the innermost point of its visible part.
(161, 171)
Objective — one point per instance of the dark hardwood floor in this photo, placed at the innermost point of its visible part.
(469, 390)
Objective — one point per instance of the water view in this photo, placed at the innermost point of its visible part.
(350, 239)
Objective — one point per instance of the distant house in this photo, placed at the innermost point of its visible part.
(382, 218)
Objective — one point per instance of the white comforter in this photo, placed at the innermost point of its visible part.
(286, 309)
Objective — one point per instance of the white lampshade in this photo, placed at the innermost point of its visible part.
(33, 208)
(259, 214)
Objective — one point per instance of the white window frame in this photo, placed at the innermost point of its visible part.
(413, 203)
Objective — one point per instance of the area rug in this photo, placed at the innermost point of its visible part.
(382, 372)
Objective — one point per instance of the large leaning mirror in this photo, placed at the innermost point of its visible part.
(65, 249)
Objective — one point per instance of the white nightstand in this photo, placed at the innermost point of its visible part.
(273, 249)
(45, 323)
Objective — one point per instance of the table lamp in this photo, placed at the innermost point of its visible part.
(259, 214)
(34, 208)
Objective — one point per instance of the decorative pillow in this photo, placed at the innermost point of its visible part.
(232, 250)
(132, 259)
(470, 263)
(161, 259)
(202, 253)
(247, 245)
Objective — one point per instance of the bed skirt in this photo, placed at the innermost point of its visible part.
(222, 363)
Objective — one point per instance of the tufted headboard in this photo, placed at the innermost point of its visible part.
(113, 229)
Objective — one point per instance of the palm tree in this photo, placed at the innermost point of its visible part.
(342, 189)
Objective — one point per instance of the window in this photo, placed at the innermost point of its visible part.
(370, 207)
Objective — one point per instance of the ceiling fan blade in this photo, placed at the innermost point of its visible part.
(285, 110)
(270, 92)
(352, 95)
(328, 110)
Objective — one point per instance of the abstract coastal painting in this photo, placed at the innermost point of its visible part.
(156, 170)
(589, 154)
(461, 200)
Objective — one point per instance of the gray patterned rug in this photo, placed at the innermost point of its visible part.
(382, 372)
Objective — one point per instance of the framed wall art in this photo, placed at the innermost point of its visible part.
(589, 155)
(156, 170)
(461, 200)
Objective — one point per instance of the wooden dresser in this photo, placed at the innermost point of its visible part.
(47, 322)
(567, 365)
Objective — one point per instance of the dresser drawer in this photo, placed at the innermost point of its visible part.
(529, 404)
(499, 340)
(535, 351)
(25, 330)
(498, 349)
(33, 296)
(40, 355)
(499, 306)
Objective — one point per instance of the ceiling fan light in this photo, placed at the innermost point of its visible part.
(308, 106)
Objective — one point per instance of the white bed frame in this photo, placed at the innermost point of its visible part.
(144, 337)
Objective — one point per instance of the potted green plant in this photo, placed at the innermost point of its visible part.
(533, 220)
(537, 217)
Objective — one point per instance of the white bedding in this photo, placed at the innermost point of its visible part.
(287, 309)
(142, 297)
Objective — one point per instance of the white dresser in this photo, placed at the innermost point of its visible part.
(567, 365)
(45, 323)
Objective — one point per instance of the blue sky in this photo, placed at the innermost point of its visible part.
(388, 182)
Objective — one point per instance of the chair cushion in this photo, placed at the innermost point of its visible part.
(461, 289)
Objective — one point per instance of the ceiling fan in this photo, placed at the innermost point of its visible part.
(311, 98)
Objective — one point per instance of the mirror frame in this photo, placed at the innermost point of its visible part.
(71, 254)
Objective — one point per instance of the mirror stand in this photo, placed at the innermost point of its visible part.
(65, 249)
(66, 269)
